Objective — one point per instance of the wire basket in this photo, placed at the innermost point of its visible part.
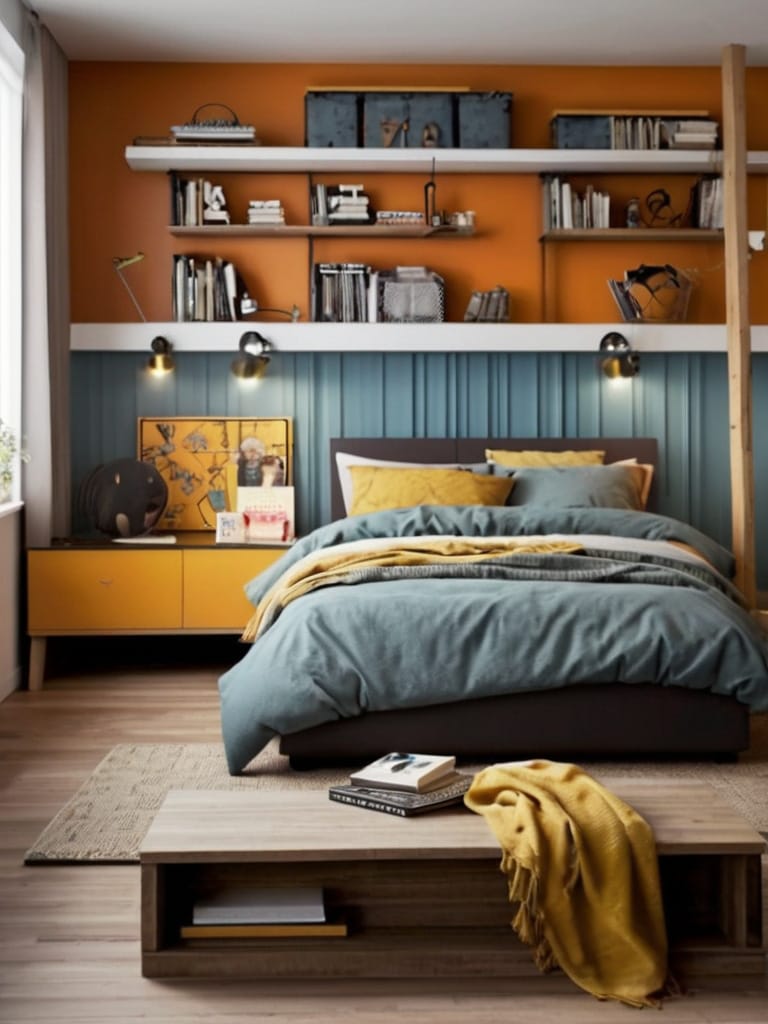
(412, 295)
(652, 294)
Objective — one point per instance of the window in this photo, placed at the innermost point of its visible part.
(11, 99)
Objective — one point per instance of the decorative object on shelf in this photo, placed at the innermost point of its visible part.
(123, 498)
(652, 293)
(214, 204)
(658, 203)
(120, 263)
(268, 511)
(632, 213)
(253, 357)
(202, 460)
(215, 129)
(161, 360)
(617, 357)
(11, 452)
(250, 307)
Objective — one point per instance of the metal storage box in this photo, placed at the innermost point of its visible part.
(392, 119)
(581, 131)
(484, 119)
(332, 119)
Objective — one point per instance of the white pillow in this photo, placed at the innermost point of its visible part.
(344, 460)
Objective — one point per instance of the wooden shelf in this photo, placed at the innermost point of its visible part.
(305, 159)
(321, 231)
(633, 235)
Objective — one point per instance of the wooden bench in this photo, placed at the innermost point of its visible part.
(423, 896)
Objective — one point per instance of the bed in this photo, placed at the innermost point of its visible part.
(547, 610)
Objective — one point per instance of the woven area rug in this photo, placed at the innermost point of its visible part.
(106, 820)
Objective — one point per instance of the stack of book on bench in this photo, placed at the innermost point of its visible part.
(405, 784)
(262, 913)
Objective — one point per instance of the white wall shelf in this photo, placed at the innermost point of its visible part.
(303, 160)
(443, 337)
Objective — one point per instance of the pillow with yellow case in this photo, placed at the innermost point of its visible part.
(375, 488)
(535, 458)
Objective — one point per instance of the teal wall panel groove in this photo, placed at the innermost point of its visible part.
(681, 399)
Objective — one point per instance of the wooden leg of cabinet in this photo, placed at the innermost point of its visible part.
(37, 647)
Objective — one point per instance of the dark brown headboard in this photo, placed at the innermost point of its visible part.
(472, 449)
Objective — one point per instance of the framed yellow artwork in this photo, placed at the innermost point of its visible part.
(204, 460)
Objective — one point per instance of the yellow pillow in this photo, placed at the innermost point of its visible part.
(532, 458)
(375, 488)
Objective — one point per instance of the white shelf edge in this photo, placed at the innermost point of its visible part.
(446, 337)
(301, 159)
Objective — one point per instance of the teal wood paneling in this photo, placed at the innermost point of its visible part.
(681, 399)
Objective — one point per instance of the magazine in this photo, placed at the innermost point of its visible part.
(400, 802)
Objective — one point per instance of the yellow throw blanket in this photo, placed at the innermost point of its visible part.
(582, 865)
(332, 565)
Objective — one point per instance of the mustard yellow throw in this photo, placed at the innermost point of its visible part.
(582, 865)
(329, 566)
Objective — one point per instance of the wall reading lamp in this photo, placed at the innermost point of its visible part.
(617, 357)
(253, 358)
(161, 360)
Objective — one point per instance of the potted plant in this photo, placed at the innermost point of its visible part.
(10, 450)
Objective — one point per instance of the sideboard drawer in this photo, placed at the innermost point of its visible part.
(213, 585)
(95, 591)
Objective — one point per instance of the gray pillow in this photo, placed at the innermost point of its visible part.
(573, 486)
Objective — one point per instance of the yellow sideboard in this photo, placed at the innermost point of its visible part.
(190, 586)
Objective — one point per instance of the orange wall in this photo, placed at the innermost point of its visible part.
(116, 212)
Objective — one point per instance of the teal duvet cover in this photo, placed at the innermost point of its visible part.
(621, 597)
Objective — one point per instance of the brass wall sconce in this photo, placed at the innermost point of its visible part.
(617, 357)
(161, 360)
(253, 358)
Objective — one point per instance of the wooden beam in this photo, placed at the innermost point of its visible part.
(737, 319)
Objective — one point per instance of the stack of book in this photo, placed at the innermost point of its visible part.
(266, 211)
(488, 307)
(348, 204)
(405, 784)
(241, 913)
(691, 133)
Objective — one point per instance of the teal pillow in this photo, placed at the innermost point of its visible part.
(573, 486)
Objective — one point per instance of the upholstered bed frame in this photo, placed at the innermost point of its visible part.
(581, 721)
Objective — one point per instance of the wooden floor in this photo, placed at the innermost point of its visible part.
(69, 936)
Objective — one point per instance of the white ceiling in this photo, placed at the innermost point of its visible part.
(646, 32)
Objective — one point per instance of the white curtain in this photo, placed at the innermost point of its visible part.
(45, 351)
